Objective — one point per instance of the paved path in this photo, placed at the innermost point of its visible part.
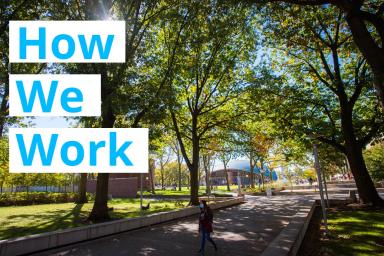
(245, 229)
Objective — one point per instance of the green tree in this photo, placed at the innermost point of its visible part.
(331, 161)
(128, 95)
(365, 21)
(212, 48)
(255, 140)
(375, 161)
(328, 90)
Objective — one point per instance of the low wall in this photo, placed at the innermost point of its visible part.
(50, 240)
(290, 238)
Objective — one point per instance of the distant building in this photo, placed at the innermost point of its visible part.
(241, 169)
(122, 184)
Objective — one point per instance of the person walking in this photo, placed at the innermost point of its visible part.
(205, 225)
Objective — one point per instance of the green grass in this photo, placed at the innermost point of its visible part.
(224, 188)
(16, 221)
(356, 232)
(186, 192)
(169, 192)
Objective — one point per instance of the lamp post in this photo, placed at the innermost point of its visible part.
(141, 192)
(238, 184)
(319, 181)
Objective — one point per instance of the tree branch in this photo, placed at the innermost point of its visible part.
(180, 139)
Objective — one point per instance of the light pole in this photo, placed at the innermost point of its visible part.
(319, 181)
(238, 184)
(141, 192)
(325, 186)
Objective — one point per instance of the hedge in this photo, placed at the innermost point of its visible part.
(31, 198)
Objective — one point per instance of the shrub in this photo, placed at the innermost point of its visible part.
(31, 198)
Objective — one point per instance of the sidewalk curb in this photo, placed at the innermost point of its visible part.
(289, 240)
(51, 240)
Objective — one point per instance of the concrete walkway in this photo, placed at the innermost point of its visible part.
(245, 229)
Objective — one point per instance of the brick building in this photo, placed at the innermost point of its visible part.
(124, 185)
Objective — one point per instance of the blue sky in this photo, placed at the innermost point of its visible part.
(51, 122)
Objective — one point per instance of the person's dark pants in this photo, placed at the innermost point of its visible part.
(206, 236)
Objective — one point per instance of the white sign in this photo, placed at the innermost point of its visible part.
(67, 41)
(54, 95)
(78, 150)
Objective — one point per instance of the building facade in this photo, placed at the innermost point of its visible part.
(240, 170)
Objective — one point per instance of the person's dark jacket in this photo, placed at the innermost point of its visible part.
(206, 220)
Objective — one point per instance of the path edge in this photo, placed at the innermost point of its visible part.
(289, 240)
(51, 240)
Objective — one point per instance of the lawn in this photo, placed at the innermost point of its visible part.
(186, 192)
(223, 189)
(169, 192)
(16, 221)
(356, 232)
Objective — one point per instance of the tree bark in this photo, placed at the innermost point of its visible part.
(366, 188)
(195, 164)
(82, 194)
(100, 207)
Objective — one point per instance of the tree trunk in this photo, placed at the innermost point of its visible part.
(226, 177)
(193, 166)
(206, 160)
(82, 194)
(151, 175)
(100, 207)
(366, 188)
(4, 105)
(194, 182)
(370, 50)
(367, 191)
(162, 176)
(97, 10)
(262, 172)
(195, 163)
(207, 183)
(251, 170)
(179, 164)
(378, 83)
